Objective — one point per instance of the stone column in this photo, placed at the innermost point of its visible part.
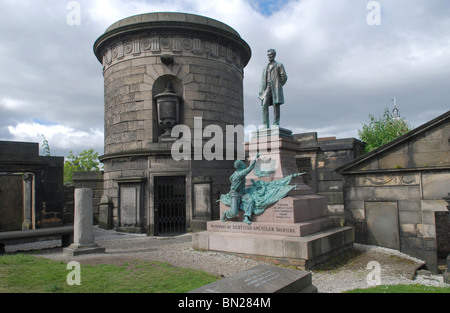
(27, 201)
(84, 239)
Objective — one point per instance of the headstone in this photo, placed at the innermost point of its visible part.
(202, 198)
(105, 213)
(262, 279)
(83, 225)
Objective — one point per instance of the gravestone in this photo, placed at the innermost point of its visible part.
(84, 239)
(262, 279)
(105, 213)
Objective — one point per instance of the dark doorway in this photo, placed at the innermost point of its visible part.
(170, 205)
(442, 220)
(11, 202)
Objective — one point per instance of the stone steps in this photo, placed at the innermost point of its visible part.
(306, 250)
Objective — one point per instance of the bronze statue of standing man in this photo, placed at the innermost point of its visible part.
(271, 91)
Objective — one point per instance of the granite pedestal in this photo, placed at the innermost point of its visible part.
(295, 231)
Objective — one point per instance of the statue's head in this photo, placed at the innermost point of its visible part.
(239, 165)
(271, 54)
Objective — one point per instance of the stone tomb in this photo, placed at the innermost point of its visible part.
(296, 230)
(263, 279)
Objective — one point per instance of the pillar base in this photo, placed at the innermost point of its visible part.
(78, 249)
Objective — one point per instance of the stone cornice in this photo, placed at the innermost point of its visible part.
(135, 36)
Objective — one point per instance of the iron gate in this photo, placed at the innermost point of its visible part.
(170, 205)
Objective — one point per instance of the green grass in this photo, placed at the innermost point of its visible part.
(402, 289)
(21, 273)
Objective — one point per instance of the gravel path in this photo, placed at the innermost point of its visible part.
(350, 273)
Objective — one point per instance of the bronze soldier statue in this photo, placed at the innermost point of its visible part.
(271, 91)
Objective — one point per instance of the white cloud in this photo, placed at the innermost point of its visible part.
(60, 137)
(11, 104)
(340, 69)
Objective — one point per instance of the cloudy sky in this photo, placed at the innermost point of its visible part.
(345, 60)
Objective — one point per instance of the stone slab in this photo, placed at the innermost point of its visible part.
(262, 279)
(83, 220)
(75, 250)
(306, 248)
(283, 229)
(275, 131)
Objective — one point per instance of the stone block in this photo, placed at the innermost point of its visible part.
(408, 230)
(435, 185)
(290, 210)
(105, 212)
(409, 205)
(267, 245)
(410, 217)
(262, 279)
(396, 193)
(382, 224)
(318, 244)
(308, 249)
(75, 250)
(280, 229)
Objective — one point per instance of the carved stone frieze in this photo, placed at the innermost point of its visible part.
(155, 44)
(387, 179)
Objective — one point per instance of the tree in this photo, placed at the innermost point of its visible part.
(45, 146)
(86, 161)
(383, 130)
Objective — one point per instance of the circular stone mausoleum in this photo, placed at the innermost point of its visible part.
(160, 70)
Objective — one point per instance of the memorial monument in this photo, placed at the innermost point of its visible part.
(269, 212)
(163, 69)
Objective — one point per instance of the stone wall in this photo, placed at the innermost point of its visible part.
(94, 181)
(69, 204)
(393, 196)
(46, 185)
(320, 157)
(396, 210)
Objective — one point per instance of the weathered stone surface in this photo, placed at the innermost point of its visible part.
(308, 249)
(382, 224)
(263, 279)
(83, 223)
(268, 228)
(290, 210)
(412, 172)
(83, 238)
(105, 212)
(207, 72)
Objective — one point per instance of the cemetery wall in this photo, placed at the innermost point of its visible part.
(18, 159)
(392, 194)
